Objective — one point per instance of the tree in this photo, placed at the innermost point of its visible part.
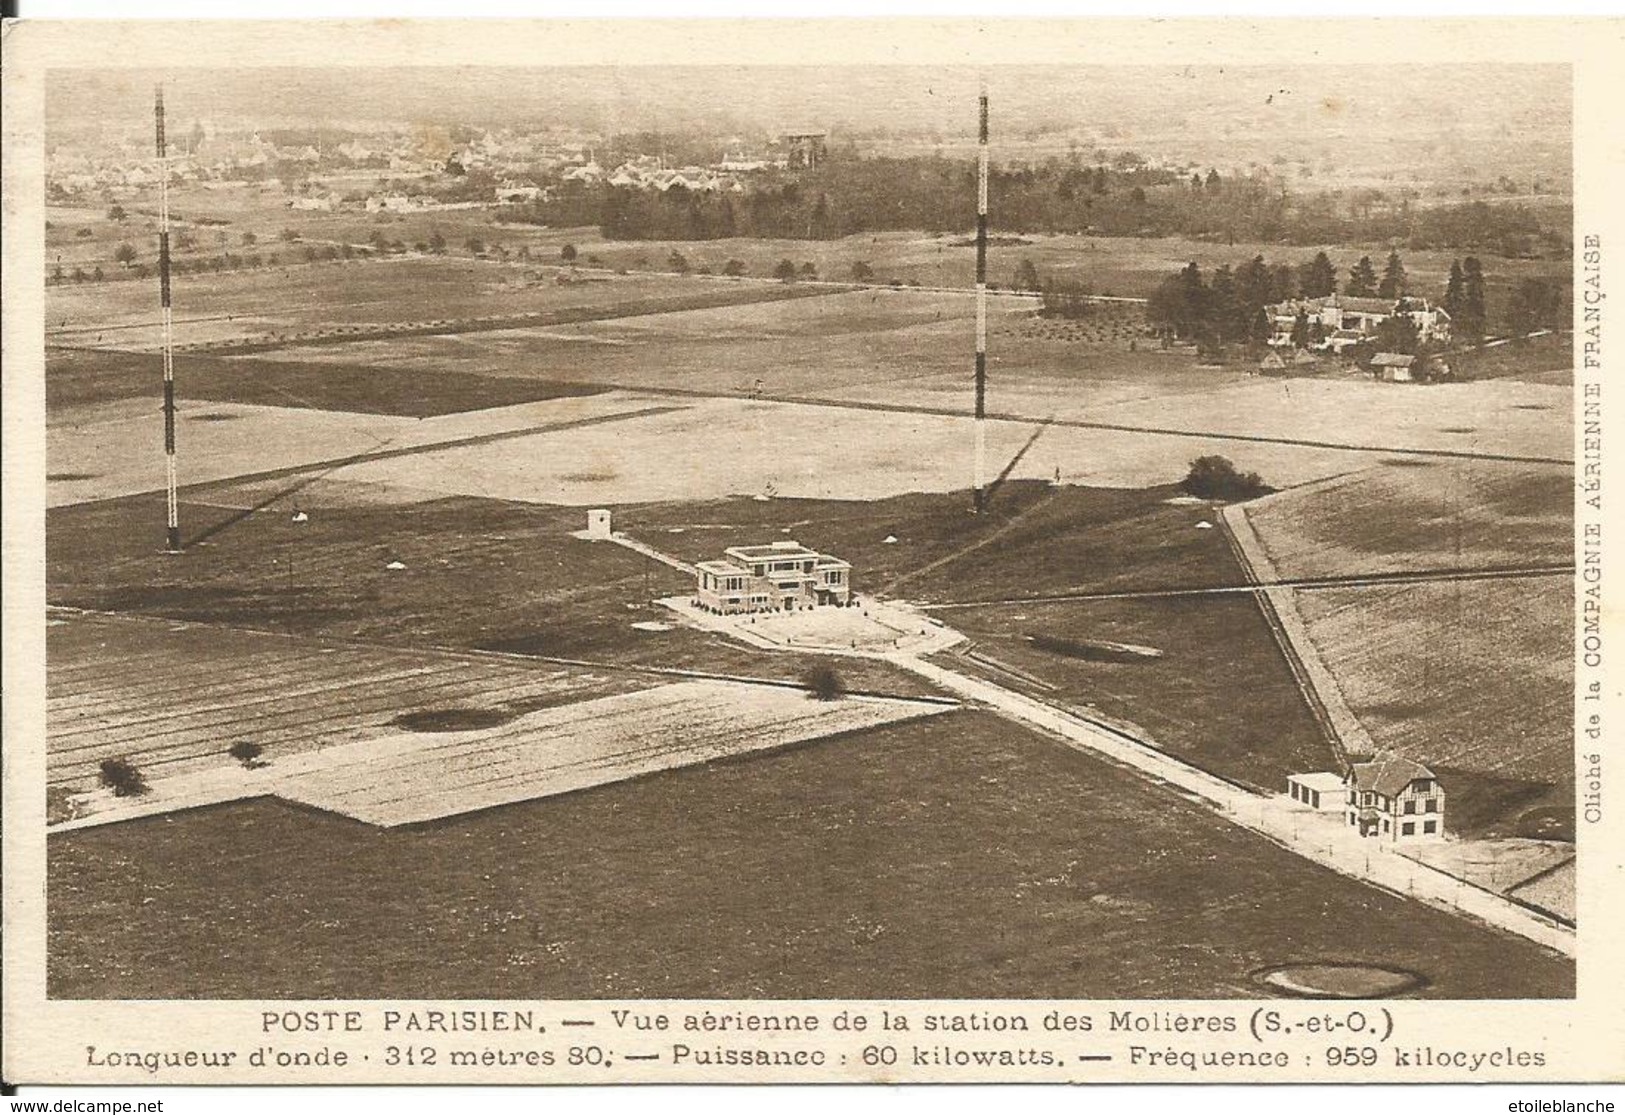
(733, 268)
(1471, 318)
(568, 253)
(1318, 277)
(1362, 279)
(678, 262)
(862, 272)
(1398, 333)
(116, 213)
(1215, 477)
(1027, 276)
(249, 239)
(1453, 289)
(1534, 305)
(475, 245)
(808, 270)
(1223, 322)
(1300, 330)
(1393, 278)
(248, 753)
(289, 235)
(123, 778)
(124, 254)
(785, 271)
(824, 683)
(437, 243)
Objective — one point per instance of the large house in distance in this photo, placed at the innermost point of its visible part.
(1340, 321)
(1394, 799)
(781, 576)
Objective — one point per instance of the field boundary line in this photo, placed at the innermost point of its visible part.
(1314, 681)
(1358, 580)
(965, 551)
(484, 654)
(334, 463)
(1507, 895)
(1267, 815)
(1087, 424)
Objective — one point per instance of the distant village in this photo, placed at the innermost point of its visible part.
(403, 171)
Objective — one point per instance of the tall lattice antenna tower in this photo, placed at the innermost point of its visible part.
(172, 520)
(979, 474)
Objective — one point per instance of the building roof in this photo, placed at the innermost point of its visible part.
(1392, 360)
(722, 569)
(775, 551)
(1388, 775)
(1362, 305)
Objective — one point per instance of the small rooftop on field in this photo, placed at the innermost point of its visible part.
(1323, 780)
(723, 569)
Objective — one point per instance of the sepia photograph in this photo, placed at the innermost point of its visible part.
(746, 531)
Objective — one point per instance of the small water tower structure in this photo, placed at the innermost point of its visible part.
(598, 524)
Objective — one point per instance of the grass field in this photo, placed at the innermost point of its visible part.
(1220, 697)
(1035, 539)
(76, 379)
(505, 576)
(1440, 514)
(910, 349)
(1474, 678)
(1066, 878)
(478, 573)
(329, 298)
(1548, 359)
(112, 693)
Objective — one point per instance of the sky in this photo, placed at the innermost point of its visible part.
(1475, 110)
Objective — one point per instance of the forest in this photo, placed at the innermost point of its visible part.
(1125, 198)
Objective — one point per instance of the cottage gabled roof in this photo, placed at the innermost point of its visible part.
(1387, 775)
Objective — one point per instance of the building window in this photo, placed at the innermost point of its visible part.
(1431, 805)
(1430, 826)
(1423, 785)
(1408, 828)
(1410, 806)
(1385, 824)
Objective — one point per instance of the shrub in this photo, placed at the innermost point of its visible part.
(1215, 477)
(247, 753)
(123, 778)
(824, 683)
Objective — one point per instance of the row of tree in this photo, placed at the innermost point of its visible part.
(1228, 306)
(845, 196)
